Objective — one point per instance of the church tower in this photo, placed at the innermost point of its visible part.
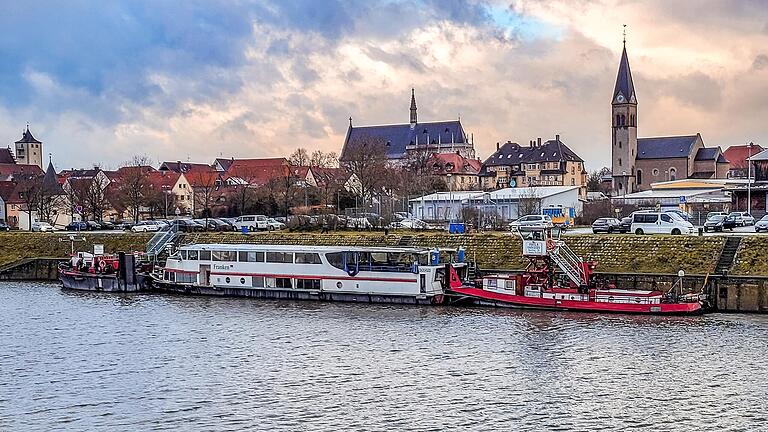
(624, 130)
(29, 151)
(413, 108)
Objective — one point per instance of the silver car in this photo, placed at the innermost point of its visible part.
(762, 224)
(544, 221)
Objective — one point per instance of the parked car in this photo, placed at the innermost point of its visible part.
(742, 218)
(145, 226)
(683, 215)
(606, 225)
(719, 222)
(532, 220)
(660, 223)
(77, 226)
(93, 225)
(224, 224)
(710, 214)
(626, 225)
(4, 226)
(107, 225)
(188, 225)
(251, 222)
(42, 227)
(273, 225)
(762, 224)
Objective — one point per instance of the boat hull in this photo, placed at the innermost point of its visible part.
(296, 294)
(79, 281)
(491, 298)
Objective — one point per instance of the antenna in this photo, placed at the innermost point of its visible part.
(625, 34)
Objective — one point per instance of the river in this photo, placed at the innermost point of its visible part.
(90, 361)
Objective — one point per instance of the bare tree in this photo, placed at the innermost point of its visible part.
(595, 180)
(205, 187)
(300, 157)
(324, 160)
(368, 161)
(133, 185)
(529, 202)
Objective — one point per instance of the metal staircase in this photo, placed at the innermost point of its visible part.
(160, 240)
(727, 254)
(570, 263)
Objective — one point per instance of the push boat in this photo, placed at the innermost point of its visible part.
(101, 272)
(556, 278)
(325, 273)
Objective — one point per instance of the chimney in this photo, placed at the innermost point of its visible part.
(538, 141)
(557, 138)
(531, 143)
(497, 146)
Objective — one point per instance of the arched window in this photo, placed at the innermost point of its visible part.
(623, 120)
(619, 144)
(672, 174)
(639, 176)
(655, 172)
(618, 119)
(632, 120)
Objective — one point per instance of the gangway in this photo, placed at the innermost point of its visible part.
(538, 244)
(162, 239)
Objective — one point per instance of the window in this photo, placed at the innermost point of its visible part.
(205, 255)
(313, 284)
(192, 255)
(307, 258)
(283, 282)
(655, 172)
(183, 254)
(224, 255)
(251, 256)
(666, 218)
(573, 182)
(639, 177)
(279, 257)
(619, 144)
(257, 281)
(672, 174)
(619, 161)
(618, 119)
(186, 277)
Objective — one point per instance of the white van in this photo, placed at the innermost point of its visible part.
(660, 223)
(251, 222)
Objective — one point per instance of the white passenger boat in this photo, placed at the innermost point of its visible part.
(329, 273)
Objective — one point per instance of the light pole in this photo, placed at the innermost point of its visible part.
(165, 193)
(450, 197)
(749, 179)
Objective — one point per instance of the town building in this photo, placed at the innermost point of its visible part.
(551, 163)
(29, 151)
(638, 162)
(737, 156)
(405, 139)
(458, 172)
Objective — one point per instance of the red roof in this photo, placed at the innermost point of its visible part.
(6, 188)
(158, 179)
(258, 171)
(6, 157)
(11, 171)
(326, 176)
(737, 154)
(453, 163)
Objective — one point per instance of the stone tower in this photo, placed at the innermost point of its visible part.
(29, 151)
(624, 130)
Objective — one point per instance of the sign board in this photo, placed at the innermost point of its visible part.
(178, 212)
(682, 200)
(98, 249)
(534, 247)
(78, 209)
(512, 183)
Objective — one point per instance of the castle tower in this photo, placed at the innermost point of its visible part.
(624, 129)
(29, 151)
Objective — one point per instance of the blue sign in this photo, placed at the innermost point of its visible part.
(512, 183)
(682, 200)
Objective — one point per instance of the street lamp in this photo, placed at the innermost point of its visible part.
(749, 178)
(450, 197)
(166, 190)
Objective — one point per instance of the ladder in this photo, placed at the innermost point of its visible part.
(570, 263)
(160, 240)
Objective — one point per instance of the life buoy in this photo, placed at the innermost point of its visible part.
(551, 244)
(102, 266)
(352, 272)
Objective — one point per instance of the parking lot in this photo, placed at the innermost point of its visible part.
(747, 230)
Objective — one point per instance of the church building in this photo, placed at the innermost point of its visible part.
(404, 139)
(638, 162)
(29, 151)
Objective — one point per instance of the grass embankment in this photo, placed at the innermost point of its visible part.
(752, 257)
(18, 245)
(631, 254)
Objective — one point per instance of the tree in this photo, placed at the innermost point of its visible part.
(133, 185)
(595, 179)
(529, 202)
(205, 187)
(29, 189)
(321, 159)
(367, 160)
(300, 157)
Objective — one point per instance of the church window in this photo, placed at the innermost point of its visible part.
(672, 174)
(632, 120)
(619, 161)
(618, 119)
(573, 182)
(655, 172)
(619, 144)
(639, 177)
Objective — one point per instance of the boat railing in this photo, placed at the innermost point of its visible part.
(569, 263)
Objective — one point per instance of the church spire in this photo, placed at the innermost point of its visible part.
(413, 107)
(624, 91)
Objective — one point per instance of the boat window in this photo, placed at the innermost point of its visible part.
(336, 259)
(192, 255)
(279, 257)
(307, 258)
(283, 282)
(308, 284)
(257, 281)
(510, 284)
(183, 254)
(224, 255)
(205, 255)
(251, 256)
(186, 277)
(172, 276)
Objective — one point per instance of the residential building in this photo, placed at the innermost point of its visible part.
(401, 140)
(737, 156)
(6, 156)
(639, 162)
(458, 172)
(551, 163)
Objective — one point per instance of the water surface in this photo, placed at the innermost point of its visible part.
(89, 361)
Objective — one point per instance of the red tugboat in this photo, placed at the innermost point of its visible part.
(572, 288)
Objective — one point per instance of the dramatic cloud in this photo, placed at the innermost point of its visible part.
(99, 82)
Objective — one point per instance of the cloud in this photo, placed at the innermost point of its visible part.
(200, 79)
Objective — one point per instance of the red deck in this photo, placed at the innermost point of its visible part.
(575, 305)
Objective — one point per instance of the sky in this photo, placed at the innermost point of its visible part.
(99, 82)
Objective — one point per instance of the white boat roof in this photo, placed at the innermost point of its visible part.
(299, 248)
